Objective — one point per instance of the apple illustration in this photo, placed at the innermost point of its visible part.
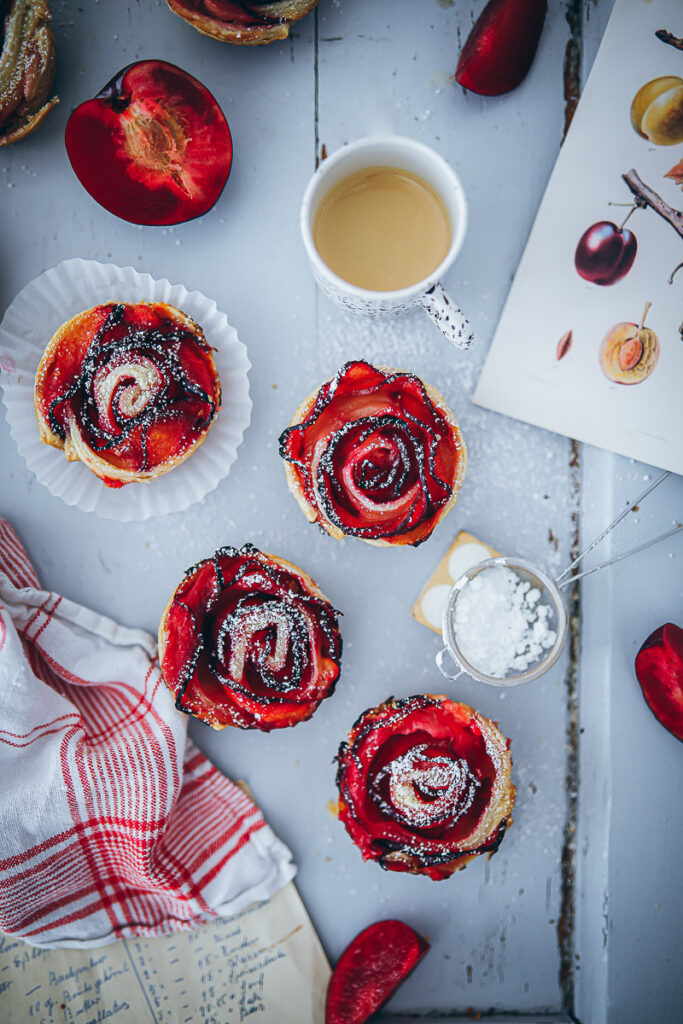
(605, 253)
(153, 147)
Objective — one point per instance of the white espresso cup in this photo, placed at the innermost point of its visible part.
(416, 158)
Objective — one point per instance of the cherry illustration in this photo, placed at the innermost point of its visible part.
(605, 252)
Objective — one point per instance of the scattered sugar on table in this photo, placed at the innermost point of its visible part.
(501, 625)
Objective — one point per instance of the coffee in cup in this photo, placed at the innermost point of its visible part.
(382, 228)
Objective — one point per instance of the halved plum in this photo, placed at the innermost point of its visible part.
(370, 970)
(153, 147)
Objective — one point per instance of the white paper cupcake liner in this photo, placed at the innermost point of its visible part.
(29, 323)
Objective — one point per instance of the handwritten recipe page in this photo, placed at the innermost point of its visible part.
(265, 965)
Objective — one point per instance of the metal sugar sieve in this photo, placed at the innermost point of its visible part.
(551, 595)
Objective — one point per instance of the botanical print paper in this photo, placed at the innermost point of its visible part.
(640, 414)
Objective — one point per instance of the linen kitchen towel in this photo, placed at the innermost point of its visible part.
(112, 823)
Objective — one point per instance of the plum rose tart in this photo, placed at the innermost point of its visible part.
(424, 785)
(130, 389)
(249, 640)
(240, 22)
(376, 454)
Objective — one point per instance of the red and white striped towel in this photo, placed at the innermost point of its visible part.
(112, 824)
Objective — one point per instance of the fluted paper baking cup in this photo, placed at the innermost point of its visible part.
(29, 323)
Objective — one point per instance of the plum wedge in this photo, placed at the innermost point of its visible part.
(659, 669)
(370, 970)
(153, 147)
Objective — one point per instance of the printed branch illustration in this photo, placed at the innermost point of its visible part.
(668, 37)
(646, 196)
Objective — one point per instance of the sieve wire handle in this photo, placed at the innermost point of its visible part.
(631, 507)
(619, 558)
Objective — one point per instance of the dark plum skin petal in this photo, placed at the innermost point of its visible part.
(153, 147)
(370, 970)
(659, 670)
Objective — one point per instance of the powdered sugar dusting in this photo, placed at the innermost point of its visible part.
(427, 789)
(501, 625)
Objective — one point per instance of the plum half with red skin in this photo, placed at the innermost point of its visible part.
(605, 253)
(370, 970)
(659, 669)
(153, 147)
(501, 47)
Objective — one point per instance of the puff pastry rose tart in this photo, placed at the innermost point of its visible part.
(374, 453)
(242, 23)
(130, 389)
(424, 785)
(249, 640)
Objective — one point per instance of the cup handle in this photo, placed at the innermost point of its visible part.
(442, 668)
(447, 317)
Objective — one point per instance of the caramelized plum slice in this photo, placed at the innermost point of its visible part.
(659, 669)
(370, 970)
(27, 67)
(153, 147)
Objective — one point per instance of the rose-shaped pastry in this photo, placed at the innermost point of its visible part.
(129, 389)
(249, 640)
(241, 23)
(376, 454)
(424, 785)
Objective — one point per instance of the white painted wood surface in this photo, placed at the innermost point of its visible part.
(356, 68)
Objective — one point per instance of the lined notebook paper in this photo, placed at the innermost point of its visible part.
(265, 965)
